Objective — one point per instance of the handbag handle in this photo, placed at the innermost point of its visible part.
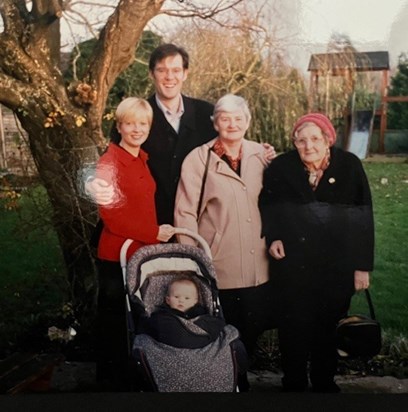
(370, 304)
(200, 200)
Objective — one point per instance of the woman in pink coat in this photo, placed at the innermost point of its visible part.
(229, 218)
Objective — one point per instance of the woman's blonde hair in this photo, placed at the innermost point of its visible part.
(133, 108)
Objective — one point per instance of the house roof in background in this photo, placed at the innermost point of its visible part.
(362, 61)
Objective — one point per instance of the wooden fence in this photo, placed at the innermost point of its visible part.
(15, 156)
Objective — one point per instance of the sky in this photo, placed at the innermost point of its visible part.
(314, 21)
(362, 20)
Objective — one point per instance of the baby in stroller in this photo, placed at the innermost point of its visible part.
(179, 347)
(168, 324)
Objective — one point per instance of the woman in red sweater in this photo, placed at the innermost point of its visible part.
(132, 215)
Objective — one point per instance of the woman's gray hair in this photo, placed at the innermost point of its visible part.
(231, 103)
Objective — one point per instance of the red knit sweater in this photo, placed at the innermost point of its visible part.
(133, 213)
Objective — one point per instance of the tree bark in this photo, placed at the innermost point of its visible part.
(64, 122)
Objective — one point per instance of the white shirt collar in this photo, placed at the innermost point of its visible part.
(172, 117)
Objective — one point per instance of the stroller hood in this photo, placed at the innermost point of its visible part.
(151, 260)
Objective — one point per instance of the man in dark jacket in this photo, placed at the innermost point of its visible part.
(179, 125)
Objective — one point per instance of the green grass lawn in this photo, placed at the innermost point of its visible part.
(32, 276)
(389, 280)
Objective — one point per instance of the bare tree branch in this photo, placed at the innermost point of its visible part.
(10, 91)
(92, 15)
(45, 12)
(12, 14)
(14, 61)
(117, 44)
(189, 9)
(79, 18)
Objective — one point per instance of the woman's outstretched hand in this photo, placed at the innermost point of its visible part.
(100, 191)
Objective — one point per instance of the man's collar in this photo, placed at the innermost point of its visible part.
(166, 110)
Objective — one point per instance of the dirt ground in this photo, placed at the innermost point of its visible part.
(265, 381)
(80, 377)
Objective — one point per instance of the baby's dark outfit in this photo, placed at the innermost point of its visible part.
(192, 329)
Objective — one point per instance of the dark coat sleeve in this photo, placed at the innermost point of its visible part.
(266, 205)
(276, 191)
(355, 202)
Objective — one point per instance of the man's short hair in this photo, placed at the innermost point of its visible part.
(166, 50)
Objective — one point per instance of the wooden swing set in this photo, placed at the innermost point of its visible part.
(326, 65)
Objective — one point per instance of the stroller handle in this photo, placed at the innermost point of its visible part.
(178, 231)
(201, 241)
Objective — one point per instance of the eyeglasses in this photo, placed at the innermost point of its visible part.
(302, 142)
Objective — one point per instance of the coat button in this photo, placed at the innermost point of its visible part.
(244, 188)
(252, 251)
(249, 220)
(302, 239)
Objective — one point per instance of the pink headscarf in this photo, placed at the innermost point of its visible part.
(319, 120)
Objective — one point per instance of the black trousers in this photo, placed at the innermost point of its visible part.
(111, 336)
(311, 304)
(248, 309)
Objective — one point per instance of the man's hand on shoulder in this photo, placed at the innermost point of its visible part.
(269, 152)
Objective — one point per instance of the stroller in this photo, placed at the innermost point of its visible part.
(161, 367)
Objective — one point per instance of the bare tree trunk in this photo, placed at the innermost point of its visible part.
(74, 216)
(64, 123)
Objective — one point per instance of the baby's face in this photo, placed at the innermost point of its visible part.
(182, 295)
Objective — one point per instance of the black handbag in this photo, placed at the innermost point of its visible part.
(359, 335)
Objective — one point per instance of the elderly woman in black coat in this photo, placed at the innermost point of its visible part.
(317, 218)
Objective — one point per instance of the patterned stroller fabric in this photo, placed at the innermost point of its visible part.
(212, 368)
(208, 369)
(170, 257)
